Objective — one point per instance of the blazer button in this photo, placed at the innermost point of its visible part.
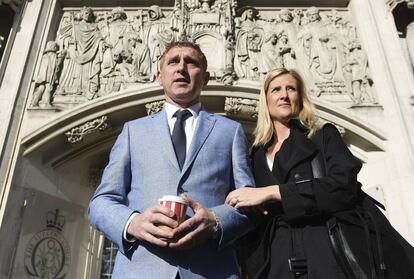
(297, 176)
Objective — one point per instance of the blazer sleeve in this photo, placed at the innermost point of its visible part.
(336, 191)
(235, 223)
(108, 211)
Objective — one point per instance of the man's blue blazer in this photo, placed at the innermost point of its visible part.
(143, 167)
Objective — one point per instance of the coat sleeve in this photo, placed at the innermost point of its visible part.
(336, 191)
(234, 223)
(108, 211)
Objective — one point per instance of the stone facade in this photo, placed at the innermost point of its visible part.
(73, 75)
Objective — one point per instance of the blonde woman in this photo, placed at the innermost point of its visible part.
(292, 241)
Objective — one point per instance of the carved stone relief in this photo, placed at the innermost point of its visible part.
(99, 52)
(322, 45)
(76, 135)
(241, 106)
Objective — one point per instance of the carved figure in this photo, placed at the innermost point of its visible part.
(157, 35)
(116, 36)
(357, 68)
(318, 48)
(141, 59)
(249, 41)
(120, 73)
(65, 31)
(81, 75)
(286, 51)
(47, 76)
(270, 57)
(288, 24)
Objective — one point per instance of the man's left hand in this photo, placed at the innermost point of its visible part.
(195, 230)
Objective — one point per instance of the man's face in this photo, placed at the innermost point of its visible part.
(182, 76)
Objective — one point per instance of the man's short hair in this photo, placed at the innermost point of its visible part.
(194, 46)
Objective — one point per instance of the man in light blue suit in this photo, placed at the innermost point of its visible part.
(147, 162)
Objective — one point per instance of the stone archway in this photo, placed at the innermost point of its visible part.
(64, 159)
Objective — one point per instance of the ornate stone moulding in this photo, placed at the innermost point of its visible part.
(77, 134)
(241, 107)
(130, 106)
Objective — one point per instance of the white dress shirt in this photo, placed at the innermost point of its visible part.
(189, 128)
(189, 124)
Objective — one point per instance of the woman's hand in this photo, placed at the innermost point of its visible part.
(248, 196)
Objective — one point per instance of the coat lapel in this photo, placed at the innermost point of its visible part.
(163, 137)
(204, 126)
(295, 150)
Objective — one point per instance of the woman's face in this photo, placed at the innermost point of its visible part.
(283, 98)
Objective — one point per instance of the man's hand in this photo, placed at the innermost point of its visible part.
(146, 226)
(196, 229)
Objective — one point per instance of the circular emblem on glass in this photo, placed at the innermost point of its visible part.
(47, 254)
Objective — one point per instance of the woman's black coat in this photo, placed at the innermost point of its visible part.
(299, 220)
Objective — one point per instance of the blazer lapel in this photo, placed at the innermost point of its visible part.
(204, 126)
(163, 137)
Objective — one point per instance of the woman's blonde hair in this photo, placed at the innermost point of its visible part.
(305, 114)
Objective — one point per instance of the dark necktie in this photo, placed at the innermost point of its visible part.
(178, 136)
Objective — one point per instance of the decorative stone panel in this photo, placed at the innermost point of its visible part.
(97, 52)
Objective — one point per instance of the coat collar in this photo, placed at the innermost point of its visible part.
(294, 150)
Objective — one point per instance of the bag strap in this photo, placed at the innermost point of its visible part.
(318, 163)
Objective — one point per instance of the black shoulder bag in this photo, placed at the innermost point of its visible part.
(354, 264)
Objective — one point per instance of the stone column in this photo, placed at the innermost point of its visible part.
(394, 82)
(14, 86)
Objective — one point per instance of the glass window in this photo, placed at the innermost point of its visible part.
(108, 259)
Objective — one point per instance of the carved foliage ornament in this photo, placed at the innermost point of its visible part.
(77, 134)
(241, 106)
(154, 107)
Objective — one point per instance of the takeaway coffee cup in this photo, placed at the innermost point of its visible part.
(177, 205)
